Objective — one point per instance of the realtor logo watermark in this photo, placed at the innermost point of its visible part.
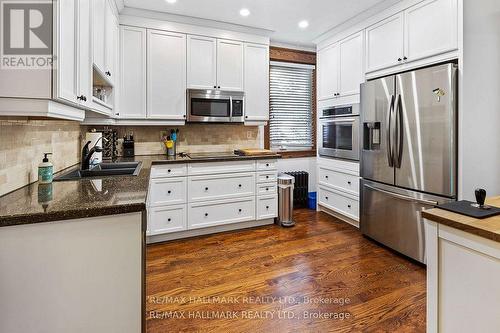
(26, 34)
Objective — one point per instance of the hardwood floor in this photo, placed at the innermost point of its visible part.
(272, 279)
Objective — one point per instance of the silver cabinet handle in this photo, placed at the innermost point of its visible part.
(403, 197)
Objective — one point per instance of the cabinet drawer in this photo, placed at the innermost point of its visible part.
(208, 214)
(339, 203)
(163, 220)
(267, 207)
(168, 170)
(263, 165)
(339, 180)
(220, 167)
(267, 177)
(167, 191)
(216, 187)
(266, 189)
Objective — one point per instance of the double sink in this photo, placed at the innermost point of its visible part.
(103, 169)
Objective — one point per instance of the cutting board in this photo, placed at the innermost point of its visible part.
(254, 152)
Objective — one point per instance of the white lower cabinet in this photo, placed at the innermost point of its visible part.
(267, 207)
(340, 180)
(213, 213)
(166, 219)
(339, 203)
(185, 198)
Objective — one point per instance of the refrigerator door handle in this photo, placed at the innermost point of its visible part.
(398, 130)
(403, 197)
(390, 155)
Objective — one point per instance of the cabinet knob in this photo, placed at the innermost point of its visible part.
(326, 177)
(81, 98)
(267, 207)
(267, 164)
(206, 188)
(326, 198)
(169, 191)
(267, 177)
(218, 87)
(405, 58)
(239, 185)
(108, 73)
(117, 114)
(349, 182)
(169, 170)
(267, 188)
(240, 210)
(246, 117)
(348, 206)
(215, 87)
(399, 59)
(169, 219)
(206, 214)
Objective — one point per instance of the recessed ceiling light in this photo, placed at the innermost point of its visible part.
(171, 1)
(244, 12)
(303, 24)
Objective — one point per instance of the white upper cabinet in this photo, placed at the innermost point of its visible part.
(431, 28)
(201, 62)
(351, 65)
(132, 73)
(166, 75)
(67, 51)
(84, 67)
(256, 82)
(229, 65)
(384, 43)
(110, 50)
(328, 72)
(98, 33)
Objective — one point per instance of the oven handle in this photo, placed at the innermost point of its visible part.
(343, 120)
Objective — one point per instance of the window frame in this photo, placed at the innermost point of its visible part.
(298, 57)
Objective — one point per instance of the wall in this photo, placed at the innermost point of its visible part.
(479, 139)
(193, 138)
(307, 164)
(23, 142)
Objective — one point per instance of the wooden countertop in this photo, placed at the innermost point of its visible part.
(487, 228)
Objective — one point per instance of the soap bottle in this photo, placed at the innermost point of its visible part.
(45, 170)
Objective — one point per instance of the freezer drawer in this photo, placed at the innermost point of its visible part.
(392, 216)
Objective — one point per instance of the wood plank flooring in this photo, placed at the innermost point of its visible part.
(272, 279)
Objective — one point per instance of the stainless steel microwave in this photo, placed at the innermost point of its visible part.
(339, 132)
(212, 105)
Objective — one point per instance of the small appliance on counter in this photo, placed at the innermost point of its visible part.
(128, 146)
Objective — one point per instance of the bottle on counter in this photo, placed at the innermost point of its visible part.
(45, 170)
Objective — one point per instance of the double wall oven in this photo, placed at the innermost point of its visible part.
(339, 132)
(215, 106)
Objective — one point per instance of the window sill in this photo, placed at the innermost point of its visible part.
(297, 154)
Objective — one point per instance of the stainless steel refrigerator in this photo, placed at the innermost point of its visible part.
(408, 154)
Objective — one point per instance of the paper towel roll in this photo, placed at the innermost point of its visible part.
(94, 137)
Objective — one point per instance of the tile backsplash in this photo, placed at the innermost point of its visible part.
(193, 138)
(23, 142)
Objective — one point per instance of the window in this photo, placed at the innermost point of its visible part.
(291, 94)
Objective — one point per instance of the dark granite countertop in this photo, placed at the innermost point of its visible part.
(64, 200)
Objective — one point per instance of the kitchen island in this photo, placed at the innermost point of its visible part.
(463, 271)
(72, 253)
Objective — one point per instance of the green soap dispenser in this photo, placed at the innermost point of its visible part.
(45, 170)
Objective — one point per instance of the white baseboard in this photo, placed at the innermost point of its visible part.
(339, 216)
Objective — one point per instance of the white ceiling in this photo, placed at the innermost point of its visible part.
(279, 16)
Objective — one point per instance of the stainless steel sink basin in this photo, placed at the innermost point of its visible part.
(103, 169)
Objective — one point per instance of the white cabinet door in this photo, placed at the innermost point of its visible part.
(351, 64)
(229, 65)
(163, 220)
(384, 43)
(328, 72)
(133, 73)
(66, 57)
(110, 44)
(431, 28)
(84, 67)
(201, 62)
(256, 82)
(98, 31)
(166, 76)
